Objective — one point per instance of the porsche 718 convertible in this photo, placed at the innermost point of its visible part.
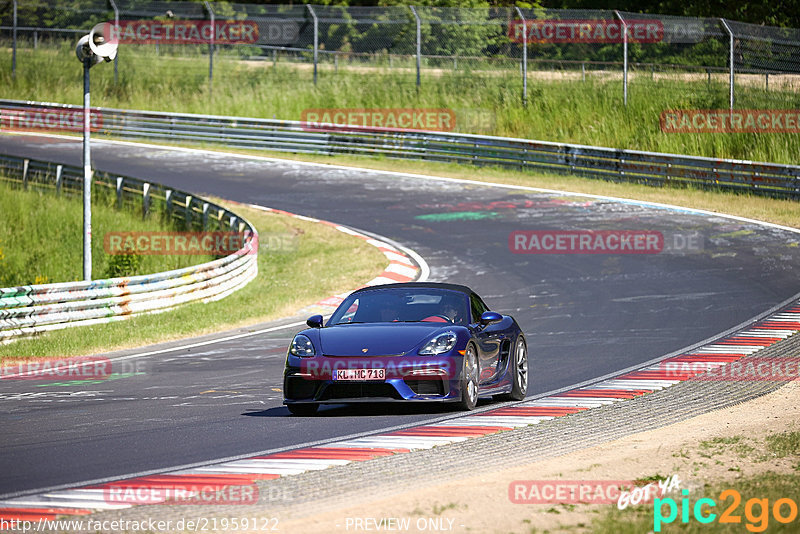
(416, 341)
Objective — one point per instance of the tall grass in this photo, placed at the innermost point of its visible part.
(288, 279)
(41, 238)
(574, 111)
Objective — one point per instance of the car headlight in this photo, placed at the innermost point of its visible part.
(440, 344)
(301, 346)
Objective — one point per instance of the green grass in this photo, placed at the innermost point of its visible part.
(782, 445)
(41, 238)
(288, 279)
(588, 112)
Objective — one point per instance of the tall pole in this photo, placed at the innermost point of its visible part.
(87, 175)
(14, 43)
(419, 42)
(316, 40)
(624, 58)
(116, 28)
(211, 45)
(524, 57)
(730, 58)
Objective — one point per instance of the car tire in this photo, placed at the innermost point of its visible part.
(469, 379)
(302, 409)
(519, 370)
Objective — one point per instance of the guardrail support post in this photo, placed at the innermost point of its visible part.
(524, 57)
(419, 42)
(316, 40)
(145, 200)
(205, 215)
(25, 165)
(730, 58)
(116, 28)
(119, 192)
(624, 58)
(59, 180)
(187, 213)
(168, 201)
(14, 41)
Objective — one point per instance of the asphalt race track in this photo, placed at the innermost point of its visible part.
(585, 315)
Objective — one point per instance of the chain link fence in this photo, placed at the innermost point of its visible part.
(416, 44)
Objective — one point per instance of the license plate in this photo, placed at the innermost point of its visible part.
(360, 374)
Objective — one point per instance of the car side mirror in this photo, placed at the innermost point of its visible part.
(315, 321)
(490, 317)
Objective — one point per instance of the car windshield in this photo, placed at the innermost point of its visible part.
(403, 305)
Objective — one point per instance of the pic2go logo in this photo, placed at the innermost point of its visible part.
(756, 511)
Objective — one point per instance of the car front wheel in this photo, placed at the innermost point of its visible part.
(469, 379)
(519, 373)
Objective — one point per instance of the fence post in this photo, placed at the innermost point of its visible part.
(120, 181)
(187, 213)
(524, 57)
(168, 202)
(14, 42)
(116, 29)
(624, 58)
(25, 165)
(316, 39)
(210, 45)
(59, 169)
(419, 41)
(145, 200)
(730, 58)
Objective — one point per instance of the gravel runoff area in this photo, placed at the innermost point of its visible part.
(292, 498)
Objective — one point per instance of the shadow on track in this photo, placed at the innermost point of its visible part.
(368, 409)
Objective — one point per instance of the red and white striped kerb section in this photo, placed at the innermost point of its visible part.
(729, 348)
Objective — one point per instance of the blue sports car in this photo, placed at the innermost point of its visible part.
(417, 341)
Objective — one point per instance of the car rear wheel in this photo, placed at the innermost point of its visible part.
(469, 379)
(519, 371)
(302, 409)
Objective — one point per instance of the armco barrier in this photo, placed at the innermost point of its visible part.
(28, 310)
(650, 168)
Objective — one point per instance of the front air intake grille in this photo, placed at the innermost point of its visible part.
(425, 386)
(355, 390)
(295, 387)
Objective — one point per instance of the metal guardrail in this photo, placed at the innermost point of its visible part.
(28, 310)
(652, 168)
